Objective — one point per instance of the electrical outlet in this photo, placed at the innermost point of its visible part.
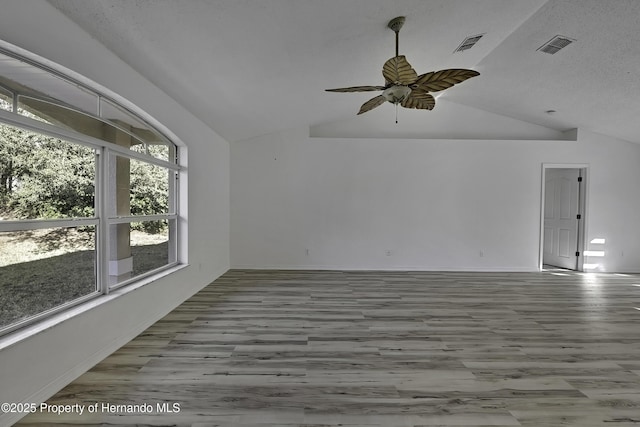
(481, 254)
(306, 252)
(388, 252)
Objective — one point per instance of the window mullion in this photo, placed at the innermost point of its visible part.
(37, 224)
(102, 245)
(78, 138)
(140, 218)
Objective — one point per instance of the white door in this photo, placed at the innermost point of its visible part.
(561, 218)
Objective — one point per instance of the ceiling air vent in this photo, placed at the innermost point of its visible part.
(555, 44)
(468, 43)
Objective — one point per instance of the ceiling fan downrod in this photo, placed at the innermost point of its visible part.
(395, 24)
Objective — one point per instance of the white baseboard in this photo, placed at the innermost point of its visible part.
(380, 268)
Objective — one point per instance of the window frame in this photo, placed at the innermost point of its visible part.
(101, 220)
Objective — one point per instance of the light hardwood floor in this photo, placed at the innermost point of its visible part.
(319, 348)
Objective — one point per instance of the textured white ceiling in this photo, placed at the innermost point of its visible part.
(251, 67)
(592, 84)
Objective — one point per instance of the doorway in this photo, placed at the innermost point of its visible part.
(563, 216)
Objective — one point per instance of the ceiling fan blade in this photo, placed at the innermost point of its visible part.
(443, 79)
(419, 99)
(371, 104)
(397, 70)
(356, 89)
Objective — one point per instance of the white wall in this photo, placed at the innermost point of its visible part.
(435, 204)
(613, 202)
(34, 368)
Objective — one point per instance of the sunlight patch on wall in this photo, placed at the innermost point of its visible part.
(590, 265)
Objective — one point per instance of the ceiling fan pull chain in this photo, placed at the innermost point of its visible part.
(396, 113)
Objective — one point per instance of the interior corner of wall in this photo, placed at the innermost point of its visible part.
(570, 134)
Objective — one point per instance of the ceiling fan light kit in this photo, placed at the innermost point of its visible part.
(396, 94)
(403, 86)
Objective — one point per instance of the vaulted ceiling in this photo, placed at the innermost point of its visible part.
(253, 67)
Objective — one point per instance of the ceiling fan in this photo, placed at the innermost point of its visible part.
(403, 86)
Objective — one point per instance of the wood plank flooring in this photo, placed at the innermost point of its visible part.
(321, 348)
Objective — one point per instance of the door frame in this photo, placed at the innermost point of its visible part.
(582, 208)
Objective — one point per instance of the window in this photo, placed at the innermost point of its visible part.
(88, 194)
